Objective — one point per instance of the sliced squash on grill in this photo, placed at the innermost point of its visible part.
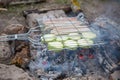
(85, 43)
(74, 36)
(55, 46)
(70, 44)
(89, 35)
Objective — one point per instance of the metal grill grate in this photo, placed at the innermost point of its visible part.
(66, 23)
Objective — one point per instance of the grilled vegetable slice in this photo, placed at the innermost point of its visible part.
(85, 43)
(74, 36)
(49, 37)
(70, 44)
(89, 35)
(55, 46)
(62, 38)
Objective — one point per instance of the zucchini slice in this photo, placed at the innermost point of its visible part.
(89, 35)
(70, 44)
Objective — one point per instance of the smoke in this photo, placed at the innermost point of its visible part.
(68, 62)
(109, 32)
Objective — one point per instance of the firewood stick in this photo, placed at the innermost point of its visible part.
(3, 9)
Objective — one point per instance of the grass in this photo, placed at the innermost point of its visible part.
(62, 1)
(17, 9)
(22, 7)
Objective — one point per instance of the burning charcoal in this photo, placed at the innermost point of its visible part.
(91, 56)
(81, 57)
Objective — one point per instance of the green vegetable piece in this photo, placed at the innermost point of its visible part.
(70, 44)
(49, 37)
(89, 35)
(85, 43)
(62, 38)
(74, 36)
(55, 46)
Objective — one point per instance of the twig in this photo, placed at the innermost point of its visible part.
(3, 9)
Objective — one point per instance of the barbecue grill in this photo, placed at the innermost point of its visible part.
(76, 61)
(92, 58)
